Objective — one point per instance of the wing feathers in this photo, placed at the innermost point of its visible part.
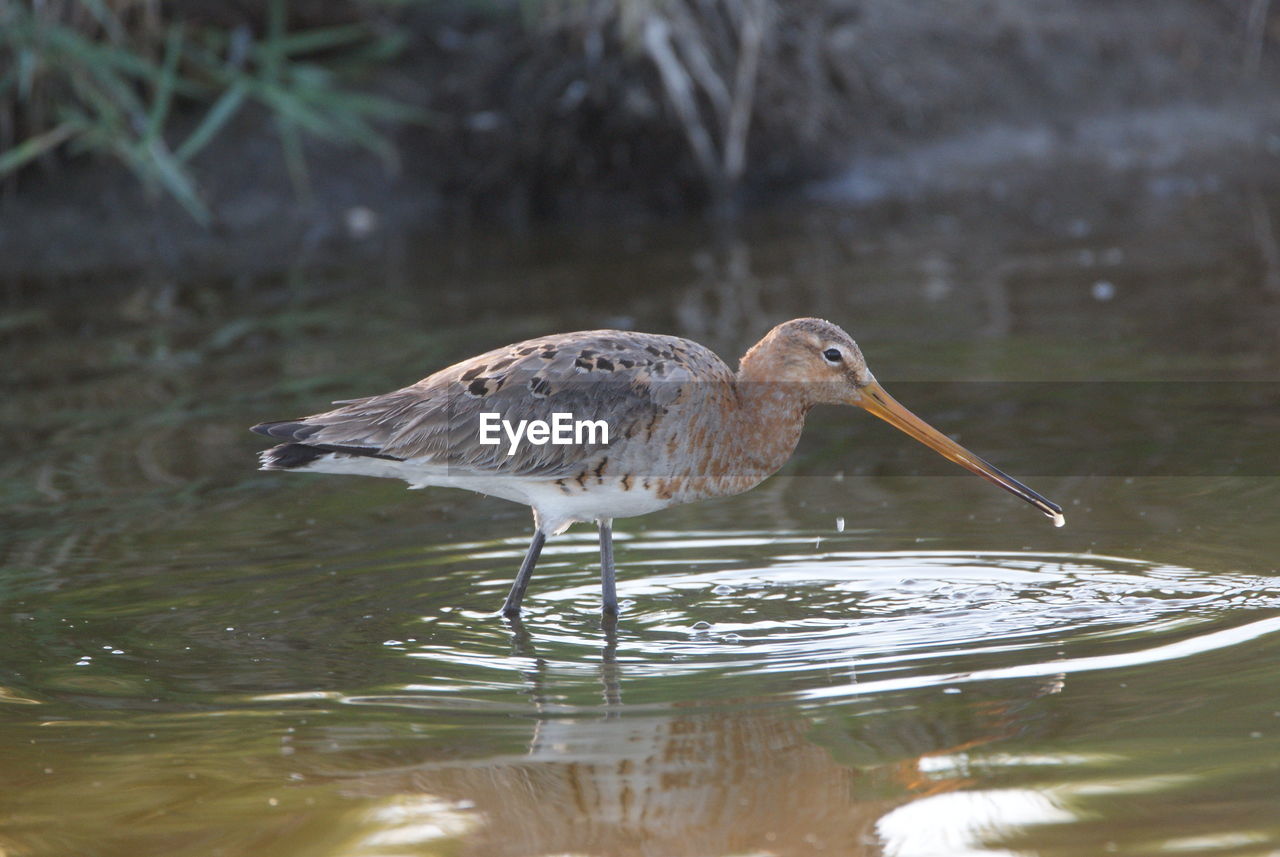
(626, 379)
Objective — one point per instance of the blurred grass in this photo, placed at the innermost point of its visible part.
(564, 107)
(112, 77)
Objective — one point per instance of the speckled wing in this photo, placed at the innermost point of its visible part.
(627, 379)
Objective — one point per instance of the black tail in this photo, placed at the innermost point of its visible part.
(290, 456)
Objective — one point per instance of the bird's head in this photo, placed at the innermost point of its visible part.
(819, 362)
(815, 362)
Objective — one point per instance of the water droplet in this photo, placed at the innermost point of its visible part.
(701, 626)
(723, 589)
(839, 525)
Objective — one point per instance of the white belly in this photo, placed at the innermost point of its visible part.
(557, 507)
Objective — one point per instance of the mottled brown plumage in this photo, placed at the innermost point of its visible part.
(629, 379)
(682, 426)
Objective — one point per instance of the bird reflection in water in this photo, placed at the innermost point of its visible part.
(733, 778)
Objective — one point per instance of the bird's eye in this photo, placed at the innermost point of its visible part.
(833, 355)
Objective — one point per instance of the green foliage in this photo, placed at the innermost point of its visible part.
(80, 78)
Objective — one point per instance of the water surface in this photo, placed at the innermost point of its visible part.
(868, 654)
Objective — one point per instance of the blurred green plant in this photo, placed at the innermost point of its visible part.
(109, 76)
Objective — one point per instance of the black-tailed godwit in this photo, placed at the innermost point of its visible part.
(647, 421)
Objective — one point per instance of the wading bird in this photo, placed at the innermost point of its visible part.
(679, 426)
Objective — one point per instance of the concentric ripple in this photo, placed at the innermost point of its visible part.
(807, 624)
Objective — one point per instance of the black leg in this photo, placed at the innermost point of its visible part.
(512, 607)
(607, 584)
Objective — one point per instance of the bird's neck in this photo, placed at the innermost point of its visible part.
(767, 422)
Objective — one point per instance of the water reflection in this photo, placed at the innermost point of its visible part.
(680, 785)
(740, 778)
(608, 768)
(200, 660)
(128, 406)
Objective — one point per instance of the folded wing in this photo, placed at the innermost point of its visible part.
(626, 379)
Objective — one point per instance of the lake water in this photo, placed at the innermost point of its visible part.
(873, 653)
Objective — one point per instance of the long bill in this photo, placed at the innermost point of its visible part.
(873, 399)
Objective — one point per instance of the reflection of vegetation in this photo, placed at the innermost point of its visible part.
(106, 77)
(126, 417)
